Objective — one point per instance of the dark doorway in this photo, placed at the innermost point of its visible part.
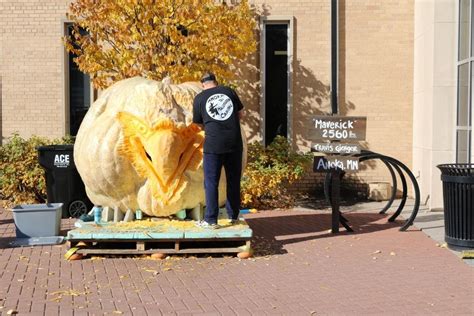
(276, 81)
(79, 92)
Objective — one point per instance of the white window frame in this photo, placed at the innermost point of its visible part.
(469, 62)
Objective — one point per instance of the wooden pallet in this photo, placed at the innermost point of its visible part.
(167, 237)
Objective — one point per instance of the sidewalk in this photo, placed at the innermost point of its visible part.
(299, 269)
(431, 223)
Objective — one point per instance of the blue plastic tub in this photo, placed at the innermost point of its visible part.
(37, 220)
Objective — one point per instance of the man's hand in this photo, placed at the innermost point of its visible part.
(241, 114)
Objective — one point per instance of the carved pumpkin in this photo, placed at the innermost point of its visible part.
(137, 148)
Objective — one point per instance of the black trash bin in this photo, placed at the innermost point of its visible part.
(63, 183)
(458, 194)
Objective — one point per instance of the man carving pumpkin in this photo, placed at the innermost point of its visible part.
(218, 110)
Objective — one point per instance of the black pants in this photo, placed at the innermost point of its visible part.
(213, 164)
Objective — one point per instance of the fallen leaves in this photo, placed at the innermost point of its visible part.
(146, 226)
(378, 252)
(152, 271)
(60, 294)
(70, 252)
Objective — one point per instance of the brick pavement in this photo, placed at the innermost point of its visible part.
(299, 269)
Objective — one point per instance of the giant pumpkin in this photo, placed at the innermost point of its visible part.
(137, 148)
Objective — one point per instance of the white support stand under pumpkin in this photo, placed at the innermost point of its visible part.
(129, 216)
(107, 214)
(118, 215)
(197, 213)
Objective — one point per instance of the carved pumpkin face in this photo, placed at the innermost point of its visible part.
(137, 148)
(162, 153)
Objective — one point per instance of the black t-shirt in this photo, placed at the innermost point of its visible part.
(216, 108)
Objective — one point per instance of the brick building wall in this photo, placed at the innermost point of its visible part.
(376, 75)
(31, 67)
(379, 77)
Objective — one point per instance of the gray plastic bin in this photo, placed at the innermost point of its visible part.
(37, 220)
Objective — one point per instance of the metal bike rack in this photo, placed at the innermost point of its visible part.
(331, 190)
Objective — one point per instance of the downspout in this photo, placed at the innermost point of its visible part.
(334, 56)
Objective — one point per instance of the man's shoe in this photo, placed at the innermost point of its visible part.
(206, 225)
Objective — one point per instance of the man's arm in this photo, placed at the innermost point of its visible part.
(240, 106)
(197, 115)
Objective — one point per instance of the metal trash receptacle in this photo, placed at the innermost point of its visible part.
(458, 196)
(63, 182)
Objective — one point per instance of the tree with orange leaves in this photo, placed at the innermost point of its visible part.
(159, 38)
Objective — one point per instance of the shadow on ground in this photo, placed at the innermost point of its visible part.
(5, 242)
(318, 201)
(6, 221)
(273, 233)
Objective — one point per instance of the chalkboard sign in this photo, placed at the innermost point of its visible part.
(335, 148)
(344, 128)
(342, 163)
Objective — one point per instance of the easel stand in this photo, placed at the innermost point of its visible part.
(337, 217)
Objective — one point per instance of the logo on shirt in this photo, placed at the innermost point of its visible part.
(219, 107)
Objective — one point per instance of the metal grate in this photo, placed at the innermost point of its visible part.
(458, 169)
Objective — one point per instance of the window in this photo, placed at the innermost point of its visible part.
(79, 91)
(276, 81)
(465, 78)
(276, 76)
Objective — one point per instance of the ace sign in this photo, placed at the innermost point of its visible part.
(61, 160)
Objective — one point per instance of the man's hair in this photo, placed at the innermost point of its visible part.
(208, 76)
